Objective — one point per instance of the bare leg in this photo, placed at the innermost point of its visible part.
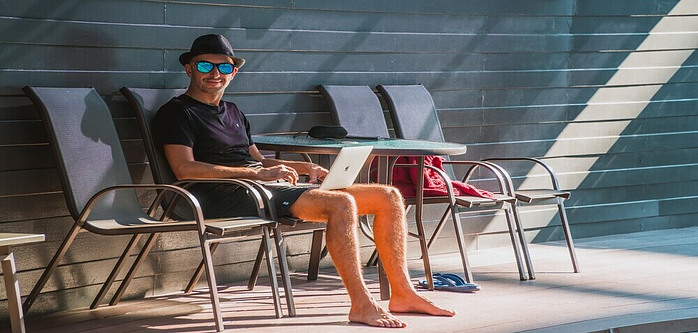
(339, 210)
(390, 235)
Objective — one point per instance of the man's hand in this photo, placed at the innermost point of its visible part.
(278, 172)
(316, 172)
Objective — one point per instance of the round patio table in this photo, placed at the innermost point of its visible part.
(386, 150)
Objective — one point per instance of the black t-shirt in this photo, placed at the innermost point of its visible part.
(217, 134)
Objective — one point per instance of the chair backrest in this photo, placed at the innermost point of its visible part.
(86, 149)
(412, 111)
(357, 109)
(413, 114)
(146, 103)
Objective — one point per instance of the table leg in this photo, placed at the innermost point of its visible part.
(14, 302)
(383, 282)
(324, 161)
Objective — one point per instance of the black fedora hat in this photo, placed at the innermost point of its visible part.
(210, 44)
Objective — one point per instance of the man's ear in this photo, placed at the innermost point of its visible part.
(235, 71)
(188, 69)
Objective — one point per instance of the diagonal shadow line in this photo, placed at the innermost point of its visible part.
(643, 85)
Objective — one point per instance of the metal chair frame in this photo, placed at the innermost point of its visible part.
(101, 198)
(359, 108)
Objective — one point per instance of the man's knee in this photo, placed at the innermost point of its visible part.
(315, 205)
(390, 193)
(386, 200)
(341, 203)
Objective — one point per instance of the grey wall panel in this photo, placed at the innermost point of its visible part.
(79, 58)
(25, 157)
(108, 82)
(90, 11)
(429, 42)
(501, 7)
(22, 132)
(651, 144)
(619, 8)
(242, 4)
(349, 62)
(612, 24)
(16, 107)
(287, 124)
(283, 19)
(29, 182)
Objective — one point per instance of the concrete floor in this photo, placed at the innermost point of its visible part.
(641, 282)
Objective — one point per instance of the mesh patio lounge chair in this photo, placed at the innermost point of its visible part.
(101, 197)
(414, 115)
(146, 102)
(358, 109)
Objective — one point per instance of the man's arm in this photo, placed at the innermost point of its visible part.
(313, 170)
(183, 165)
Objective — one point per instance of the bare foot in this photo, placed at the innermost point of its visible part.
(374, 315)
(413, 303)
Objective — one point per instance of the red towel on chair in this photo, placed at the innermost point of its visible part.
(405, 179)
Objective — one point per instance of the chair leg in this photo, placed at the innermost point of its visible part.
(283, 267)
(568, 235)
(117, 268)
(458, 226)
(255, 269)
(212, 285)
(514, 226)
(51, 266)
(524, 242)
(373, 259)
(425, 253)
(132, 271)
(383, 283)
(274, 284)
(198, 272)
(315, 255)
(422, 237)
(14, 300)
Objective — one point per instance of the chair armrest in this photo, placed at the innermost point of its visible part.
(262, 194)
(503, 180)
(162, 188)
(261, 201)
(180, 192)
(506, 186)
(548, 169)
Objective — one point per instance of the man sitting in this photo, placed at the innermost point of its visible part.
(205, 137)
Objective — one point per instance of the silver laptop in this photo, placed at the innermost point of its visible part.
(344, 169)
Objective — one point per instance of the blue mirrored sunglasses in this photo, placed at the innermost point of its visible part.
(206, 67)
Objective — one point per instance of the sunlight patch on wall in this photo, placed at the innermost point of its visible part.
(613, 107)
(636, 81)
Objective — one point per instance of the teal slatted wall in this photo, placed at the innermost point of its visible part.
(605, 91)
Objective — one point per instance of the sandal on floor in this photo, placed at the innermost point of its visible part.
(450, 282)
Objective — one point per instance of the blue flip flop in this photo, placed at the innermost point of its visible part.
(450, 282)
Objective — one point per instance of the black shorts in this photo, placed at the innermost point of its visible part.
(226, 200)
